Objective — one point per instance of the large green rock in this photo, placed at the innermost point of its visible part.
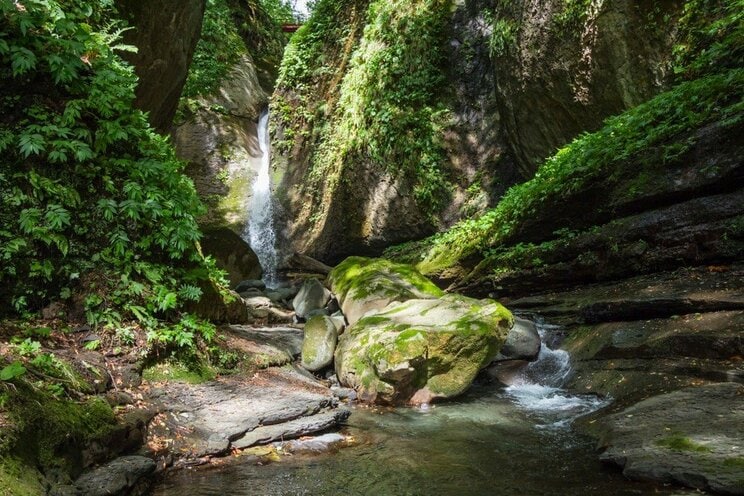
(421, 350)
(363, 285)
(319, 343)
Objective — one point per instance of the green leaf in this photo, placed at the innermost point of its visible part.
(22, 60)
(12, 371)
(31, 144)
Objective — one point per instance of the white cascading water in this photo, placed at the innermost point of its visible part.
(538, 388)
(261, 234)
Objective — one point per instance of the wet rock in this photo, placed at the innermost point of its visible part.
(522, 342)
(312, 296)
(250, 284)
(692, 437)
(124, 476)
(213, 306)
(421, 350)
(293, 428)
(316, 444)
(319, 344)
(363, 285)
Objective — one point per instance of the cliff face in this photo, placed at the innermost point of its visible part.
(228, 88)
(165, 34)
(563, 67)
(482, 92)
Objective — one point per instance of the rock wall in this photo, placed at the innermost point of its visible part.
(521, 78)
(165, 34)
(562, 69)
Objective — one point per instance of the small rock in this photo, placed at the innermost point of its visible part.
(118, 398)
(122, 476)
(343, 393)
(246, 285)
(250, 293)
(333, 306)
(315, 313)
(316, 444)
(339, 321)
(312, 296)
(522, 342)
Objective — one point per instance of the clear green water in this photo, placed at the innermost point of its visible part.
(493, 441)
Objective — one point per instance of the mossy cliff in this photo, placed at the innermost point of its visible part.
(657, 187)
(396, 119)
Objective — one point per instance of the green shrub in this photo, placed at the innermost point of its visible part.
(94, 206)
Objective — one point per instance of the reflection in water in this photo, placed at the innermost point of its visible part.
(493, 441)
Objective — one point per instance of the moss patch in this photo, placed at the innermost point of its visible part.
(50, 432)
(681, 443)
(179, 372)
(363, 277)
(18, 479)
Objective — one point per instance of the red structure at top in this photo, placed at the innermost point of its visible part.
(290, 28)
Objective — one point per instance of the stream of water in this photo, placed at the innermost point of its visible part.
(512, 441)
(261, 233)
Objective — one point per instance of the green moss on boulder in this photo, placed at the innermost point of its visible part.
(422, 349)
(363, 285)
(319, 343)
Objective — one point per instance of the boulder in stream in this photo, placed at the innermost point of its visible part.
(363, 285)
(319, 344)
(522, 342)
(312, 296)
(421, 350)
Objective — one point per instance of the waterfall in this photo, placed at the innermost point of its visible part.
(538, 388)
(261, 234)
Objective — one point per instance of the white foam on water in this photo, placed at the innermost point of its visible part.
(538, 388)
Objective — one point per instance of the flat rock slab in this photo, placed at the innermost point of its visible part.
(276, 342)
(693, 437)
(238, 412)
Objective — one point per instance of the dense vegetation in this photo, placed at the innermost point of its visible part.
(95, 211)
(711, 87)
(229, 27)
(388, 111)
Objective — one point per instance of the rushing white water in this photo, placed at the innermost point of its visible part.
(261, 233)
(538, 387)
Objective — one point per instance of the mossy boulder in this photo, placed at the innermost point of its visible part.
(363, 285)
(421, 350)
(319, 344)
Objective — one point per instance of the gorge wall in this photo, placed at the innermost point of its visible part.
(423, 120)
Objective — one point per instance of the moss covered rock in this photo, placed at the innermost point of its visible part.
(421, 350)
(363, 285)
(319, 344)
